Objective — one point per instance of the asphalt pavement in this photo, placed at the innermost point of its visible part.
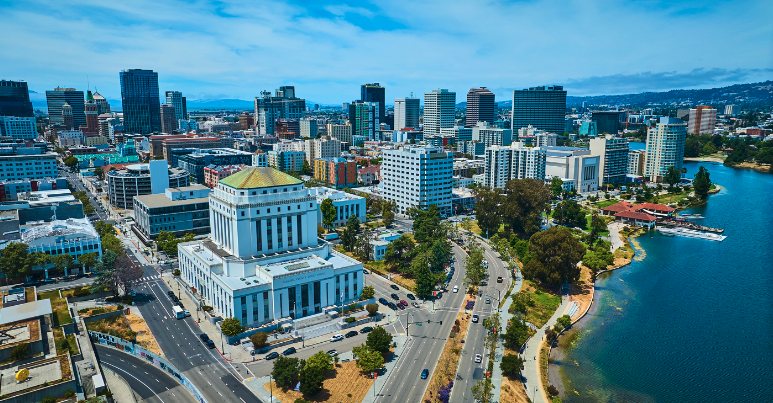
(148, 382)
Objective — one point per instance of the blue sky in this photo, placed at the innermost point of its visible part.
(215, 50)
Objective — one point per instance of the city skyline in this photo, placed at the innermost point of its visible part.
(192, 52)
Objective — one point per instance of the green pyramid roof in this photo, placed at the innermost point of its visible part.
(259, 177)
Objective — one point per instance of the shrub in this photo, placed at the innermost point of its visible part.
(20, 352)
(69, 393)
(120, 307)
(552, 390)
(259, 340)
(206, 308)
(372, 309)
(81, 292)
(48, 399)
(350, 320)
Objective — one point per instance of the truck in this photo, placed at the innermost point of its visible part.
(178, 312)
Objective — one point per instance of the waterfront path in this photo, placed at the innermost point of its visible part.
(614, 234)
(496, 374)
(532, 383)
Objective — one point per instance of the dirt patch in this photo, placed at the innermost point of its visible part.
(144, 336)
(34, 329)
(116, 326)
(345, 383)
(582, 292)
(512, 389)
(449, 358)
(29, 294)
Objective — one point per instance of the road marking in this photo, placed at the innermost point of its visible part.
(143, 383)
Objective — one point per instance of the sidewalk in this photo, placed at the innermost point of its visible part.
(614, 234)
(496, 375)
(533, 382)
(122, 393)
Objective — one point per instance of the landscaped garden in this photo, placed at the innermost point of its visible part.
(58, 306)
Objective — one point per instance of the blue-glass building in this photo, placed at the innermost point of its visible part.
(140, 101)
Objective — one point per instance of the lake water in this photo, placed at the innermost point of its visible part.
(691, 321)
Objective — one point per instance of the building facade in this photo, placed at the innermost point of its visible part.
(702, 120)
(489, 135)
(636, 160)
(28, 166)
(575, 165)
(286, 160)
(416, 176)
(178, 101)
(406, 113)
(481, 106)
(543, 107)
(168, 119)
(545, 139)
(613, 152)
(309, 128)
(18, 128)
(609, 122)
(263, 261)
(374, 93)
(363, 117)
(665, 148)
(346, 205)
(283, 105)
(196, 161)
(339, 172)
(323, 147)
(140, 101)
(504, 163)
(15, 99)
(57, 98)
(177, 210)
(439, 111)
(461, 133)
(142, 179)
(200, 143)
(341, 132)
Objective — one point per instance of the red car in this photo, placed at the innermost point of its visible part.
(403, 303)
(401, 306)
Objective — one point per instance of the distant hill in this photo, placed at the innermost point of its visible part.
(753, 93)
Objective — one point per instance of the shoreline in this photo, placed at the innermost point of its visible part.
(754, 166)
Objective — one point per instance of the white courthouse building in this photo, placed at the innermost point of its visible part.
(263, 261)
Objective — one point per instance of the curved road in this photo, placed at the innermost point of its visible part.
(148, 381)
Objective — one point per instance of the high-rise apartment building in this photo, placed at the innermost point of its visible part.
(504, 163)
(406, 113)
(67, 117)
(543, 107)
(481, 106)
(341, 132)
(309, 128)
(91, 110)
(545, 139)
(418, 176)
(439, 111)
(140, 102)
(176, 99)
(732, 110)
(60, 96)
(15, 99)
(323, 147)
(614, 158)
(364, 119)
(283, 105)
(461, 133)
(339, 172)
(374, 93)
(702, 120)
(482, 132)
(665, 148)
(636, 160)
(168, 118)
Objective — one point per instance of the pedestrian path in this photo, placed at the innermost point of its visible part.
(499, 352)
(534, 388)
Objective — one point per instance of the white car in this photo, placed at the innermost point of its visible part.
(456, 288)
(337, 337)
(186, 312)
(478, 358)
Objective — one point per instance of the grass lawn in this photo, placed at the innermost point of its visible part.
(85, 312)
(72, 292)
(116, 326)
(607, 203)
(545, 304)
(59, 306)
(61, 348)
(588, 219)
(671, 197)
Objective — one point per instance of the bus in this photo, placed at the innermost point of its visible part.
(178, 312)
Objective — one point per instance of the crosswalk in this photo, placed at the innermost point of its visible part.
(155, 277)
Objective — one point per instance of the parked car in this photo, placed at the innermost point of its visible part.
(210, 343)
(170, 293)
(474, 318)
(395, 297)
(402, 302)
(332, 353)
(392, 305)
(49, 281)
(401, 306)
(365, 271)
(424, 373)
(411, 297)
(394, 287)
(289, 351)
(337, 337)
(271, 356)
(415, 304)
(366, 329)
(478, 358)
(204, 337)
(499, 279)
(351, 333)
(488, 300)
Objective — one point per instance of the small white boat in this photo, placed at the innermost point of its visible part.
(691, 233)
(692, 216)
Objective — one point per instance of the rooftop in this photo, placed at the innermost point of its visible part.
(259, 177)
(160, 200)
(25, 311)
(71, 226)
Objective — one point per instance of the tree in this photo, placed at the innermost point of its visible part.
(363, 246)
(285, 371)
(511, 364)
(709, 149)
(522, 301)
(88, 259)
(388, 217)
(555, 254)
(702, 183)
(426, 223)
(321, 360)
(71, 162)
(259, 340)
(16, 261)
(379, 340)
(306, 169)
(126, 272)
(439, 254)
(564, 321)
(473, 264)
(104, 228)
(425, 280)
(398, 252)
(63, 262)
(487, 211)
(569, 212)
(368, 360)
(375, 207)
(100, 173)
(311, 377)
(167, 242)
(372, 309)
(597, 224)
(104, 270)
(367, 292)
(349, 236)
(556, 186)
(672, 176)
(482, 391)
(517, 334)
(328, 212)
(231, 327)
(525, 201)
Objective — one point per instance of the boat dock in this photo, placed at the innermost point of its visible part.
(677, 223)
(690, 233)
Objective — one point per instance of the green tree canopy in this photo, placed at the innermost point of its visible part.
(556, 186)
(426, 224)
(285, 371)
(672, 176)
(368, 360)
(398, 253)
(231, 327)
(511, 364)
(425, 280)
(168, 242)
(379, 340)
(71, 162)
(487, 210)
(311, 378)
(555, 254)
(569, 212)
(88, 259)
(328, 212)
(702, 183)
(473, 264)
(525, 201)
(517, 334)
(388, 217)
(306, 169)
(349, 236)
(16, 261)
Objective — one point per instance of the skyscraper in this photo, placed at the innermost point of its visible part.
(102, 105)
(543, 107)
(364, 119)
(168, 118)
(665, 148)
(702, 120)
(15, 99)
(176, 99)
(406, 113)
(66, 116)
(609, 122)
(374, 93)
(140, 102)
(480, 106)
(91, 110)
(514, 161)
(58, 97)
(439, 110)
(283, 105)
(614, 158)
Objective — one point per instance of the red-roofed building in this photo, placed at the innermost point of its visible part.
(616, 208)
(367, 175)
(658, 210)
(637, 219)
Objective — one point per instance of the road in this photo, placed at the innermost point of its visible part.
(471, 372)
(75, 181)
(147, 381)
